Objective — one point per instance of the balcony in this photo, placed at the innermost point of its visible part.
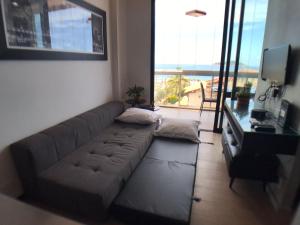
(181, 88)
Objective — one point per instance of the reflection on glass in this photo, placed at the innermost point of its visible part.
(234, 42)
(184, 90)
(52, 25)
(187, 52)
(252, 41)
(236, 23)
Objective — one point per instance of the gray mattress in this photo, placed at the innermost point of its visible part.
(173, 150)
(161, 188)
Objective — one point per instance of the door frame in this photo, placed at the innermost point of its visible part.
(238, 51)
(152, 56)
(225, 53)
(221, 98)
(216, 128)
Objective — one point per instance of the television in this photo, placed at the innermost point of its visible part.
(275, 64)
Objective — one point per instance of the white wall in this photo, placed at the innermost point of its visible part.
(119, 47)
(139, 44)
(35, 95)
(282, 27)
(133, 37)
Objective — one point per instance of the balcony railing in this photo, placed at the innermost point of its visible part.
(181, 88)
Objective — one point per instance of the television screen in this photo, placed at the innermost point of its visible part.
(275, 63)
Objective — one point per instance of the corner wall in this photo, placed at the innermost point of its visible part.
(133, 39)
(35, 95)
(139, 44)
(282, 27)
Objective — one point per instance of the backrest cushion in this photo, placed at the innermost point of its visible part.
(101, 117)
(63, 138)
(40, 151)
(92, 122)
(33, 155)
(81, 130)
(40, 148)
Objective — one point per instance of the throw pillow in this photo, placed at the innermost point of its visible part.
(138, 116)
(179, 128)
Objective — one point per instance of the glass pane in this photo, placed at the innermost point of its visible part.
(189, 48)
(236, 25)
(252, 42)
(166, 91)
(234, 43)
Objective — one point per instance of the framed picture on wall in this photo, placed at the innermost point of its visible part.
(52, 30)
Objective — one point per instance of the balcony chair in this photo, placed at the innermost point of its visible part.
(204, 99)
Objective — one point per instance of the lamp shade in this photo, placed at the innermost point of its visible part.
(195, 13)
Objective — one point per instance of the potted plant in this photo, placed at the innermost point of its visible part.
(244, 94)
(135, 95)
(172, 99)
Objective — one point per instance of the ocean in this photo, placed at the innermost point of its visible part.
(191, 77)
(213, 67)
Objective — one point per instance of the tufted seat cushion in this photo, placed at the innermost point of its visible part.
(82, 163)
(95, 172)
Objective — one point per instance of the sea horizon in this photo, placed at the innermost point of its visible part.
(212, 67)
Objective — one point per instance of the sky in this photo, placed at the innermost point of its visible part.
(182, 39)
(71, 29)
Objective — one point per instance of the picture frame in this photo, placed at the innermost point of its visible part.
(52, 30)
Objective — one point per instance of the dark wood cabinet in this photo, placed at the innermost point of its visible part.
(251, 154)
(282, 141)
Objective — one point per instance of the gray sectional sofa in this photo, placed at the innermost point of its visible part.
(90, 165)
(83, 163)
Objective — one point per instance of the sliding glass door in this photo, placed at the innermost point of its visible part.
(229, 15)
(187, 52)
(220, 50)
(252, 42)
(244, 27)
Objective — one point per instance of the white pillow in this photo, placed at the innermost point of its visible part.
(179, 128)
(139, 116)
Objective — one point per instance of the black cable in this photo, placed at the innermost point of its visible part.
(263, 97)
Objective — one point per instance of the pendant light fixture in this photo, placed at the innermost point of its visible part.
(195, 12)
